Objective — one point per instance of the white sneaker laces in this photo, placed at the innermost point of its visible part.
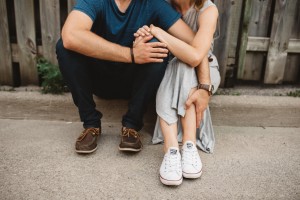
(172, 163)
(189, 157)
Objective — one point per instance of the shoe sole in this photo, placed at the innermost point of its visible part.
(191, 175)
(130, 149)
(171, 182)
(86, 152)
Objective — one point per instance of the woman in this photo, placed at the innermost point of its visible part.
(175, 121)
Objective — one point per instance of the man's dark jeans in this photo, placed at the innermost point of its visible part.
(86, 76)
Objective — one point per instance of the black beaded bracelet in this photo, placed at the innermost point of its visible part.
(132, 55)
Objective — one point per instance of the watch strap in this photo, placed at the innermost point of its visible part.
(207, 87)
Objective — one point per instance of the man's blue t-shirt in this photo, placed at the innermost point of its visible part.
(118, 27)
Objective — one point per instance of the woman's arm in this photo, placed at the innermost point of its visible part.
(194, 53)
(200, 97)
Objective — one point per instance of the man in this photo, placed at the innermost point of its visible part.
(96, 56)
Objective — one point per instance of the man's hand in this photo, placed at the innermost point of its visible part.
(200, 98)
(149, 52)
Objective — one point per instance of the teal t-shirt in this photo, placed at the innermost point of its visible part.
(118, 27)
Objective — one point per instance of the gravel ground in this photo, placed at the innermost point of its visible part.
(278, 90)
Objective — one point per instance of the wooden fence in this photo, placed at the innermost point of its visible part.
(258, 40)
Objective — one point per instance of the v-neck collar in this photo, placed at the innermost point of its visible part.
(117, 8)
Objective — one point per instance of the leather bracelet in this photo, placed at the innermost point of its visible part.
(209, 88)
(132, 55)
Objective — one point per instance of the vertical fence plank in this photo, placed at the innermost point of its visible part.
(221, 47)
(233, 32)
(71, 4)
(281, 31)
(24, 12)
(6, 73)
(292, 68)
(236, 11)
(50, 25)
(228, 19)
(258, 27)
(244, 38)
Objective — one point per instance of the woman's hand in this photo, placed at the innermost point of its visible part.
(142, 32)
(200, 99)
(146, 31)
(154, 30)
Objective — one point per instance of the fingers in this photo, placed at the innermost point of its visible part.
(146, 38)
(199, 116)
(158, 55)
(158, 50)
(157, 45)
(147, 52)
(137, 40)
(189, 102)
(156, 60)
(198, 119)
(143, 31)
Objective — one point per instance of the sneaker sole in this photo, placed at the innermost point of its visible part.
(191, 175)
(171, 182)
(130, 149)
(86, 152)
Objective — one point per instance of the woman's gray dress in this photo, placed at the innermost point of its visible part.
(175, 87)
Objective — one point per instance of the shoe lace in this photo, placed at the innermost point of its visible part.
(94, 131)
(128, 131)
(172, 163)
(189, 157)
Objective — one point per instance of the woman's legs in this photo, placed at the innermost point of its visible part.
(189, 124)
(169, 133)
(191, 162)
(170, 170)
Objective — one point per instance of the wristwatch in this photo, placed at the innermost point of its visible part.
(208, 88)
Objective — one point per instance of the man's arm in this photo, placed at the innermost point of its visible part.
(77, 36)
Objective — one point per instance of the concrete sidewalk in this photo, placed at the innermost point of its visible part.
(257, 153)
(245, 110)
(37, 161)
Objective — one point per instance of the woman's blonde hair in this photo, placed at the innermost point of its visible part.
(199, 4)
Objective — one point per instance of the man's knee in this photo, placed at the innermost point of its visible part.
(155, 72)
(59, 47)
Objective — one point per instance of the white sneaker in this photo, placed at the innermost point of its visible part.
(170, 169)
(191, 162)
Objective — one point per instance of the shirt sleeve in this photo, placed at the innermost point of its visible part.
(90, 7)
(166, 15)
